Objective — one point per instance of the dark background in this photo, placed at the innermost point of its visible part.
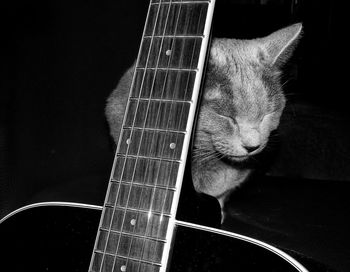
(61, 60)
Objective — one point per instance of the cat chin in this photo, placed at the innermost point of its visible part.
(235, 159)
(244, 158)
(238, 158)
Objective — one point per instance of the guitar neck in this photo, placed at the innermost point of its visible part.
(138, 218)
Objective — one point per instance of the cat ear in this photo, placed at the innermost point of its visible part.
(277, 48)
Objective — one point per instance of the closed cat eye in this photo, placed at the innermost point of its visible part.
(233, 119)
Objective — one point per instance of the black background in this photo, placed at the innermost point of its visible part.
(60, 61)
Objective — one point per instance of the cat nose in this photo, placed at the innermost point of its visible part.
(251, 148)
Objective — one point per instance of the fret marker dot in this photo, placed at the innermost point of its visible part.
(172, 146)
(128, 141)
(123, 268)
(168, 52)
(133, 221)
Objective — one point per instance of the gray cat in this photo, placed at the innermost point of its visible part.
(242, 103)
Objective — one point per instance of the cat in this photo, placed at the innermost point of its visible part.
(242, 103)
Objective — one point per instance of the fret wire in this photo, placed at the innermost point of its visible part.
(147, 157)
(126, 237)
(170, 87)
(169, 61)
(167, 69)
(164, 88)
(146, 171)
(186, 84)
(136, 235)
(182, 2)
(186, 89)
(134, 121)
(158, 265)
(136, 222)
(155, 130)
(152, 88)
(139, 210)
(159, 100)
(189, 10)
(164, 134)
(145, 237)
(161, 45)
(176, 44)
(172, 97)
(131, 258)
(177, 36)
(143, 194)
(146, 185)
(169, 110)
(148, 147)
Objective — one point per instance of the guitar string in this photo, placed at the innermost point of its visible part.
(182, 105)
(166, 132)
(140, 141)
(164, 141)
(184, 97)
(143, 182)
(156, 121)
(143, 129)
(131, 133)
(191, 64)
(181, 109)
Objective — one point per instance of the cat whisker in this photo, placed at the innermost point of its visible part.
(203, 158)
(201, 148)
(201, 153)
(213, 158)
(285, 82)
(198, 150)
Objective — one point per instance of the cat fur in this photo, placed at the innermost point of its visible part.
(241, 104)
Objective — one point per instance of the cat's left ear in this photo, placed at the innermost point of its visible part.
(277, 48)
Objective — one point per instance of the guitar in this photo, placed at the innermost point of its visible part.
(138, 227)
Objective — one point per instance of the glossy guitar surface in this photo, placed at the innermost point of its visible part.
(60, 237)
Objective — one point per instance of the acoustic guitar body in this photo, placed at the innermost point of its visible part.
(146, 178)
(60, 237)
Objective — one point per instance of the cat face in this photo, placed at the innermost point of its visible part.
(241, 106)
(242, 101)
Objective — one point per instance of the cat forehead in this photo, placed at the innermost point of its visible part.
(235, 100)
(241, 93)
(237, 60)
(225, 51)
(234, 74)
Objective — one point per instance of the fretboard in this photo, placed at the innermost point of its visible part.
(138, 217)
